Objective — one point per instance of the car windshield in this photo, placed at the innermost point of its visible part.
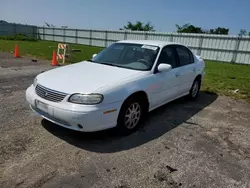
(128, 55)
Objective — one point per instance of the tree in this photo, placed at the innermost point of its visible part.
(243, 32)
(138, 26)
(187, 28)
(219, 31)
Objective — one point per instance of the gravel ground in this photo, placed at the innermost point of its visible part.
(203, 143)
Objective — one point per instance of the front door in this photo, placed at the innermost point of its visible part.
(165, 85)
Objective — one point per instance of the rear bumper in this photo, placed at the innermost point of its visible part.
(84, 118)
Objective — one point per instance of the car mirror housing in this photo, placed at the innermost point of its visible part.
(163, 67)
(94, 55)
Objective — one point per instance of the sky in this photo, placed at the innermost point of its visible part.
(114, 14)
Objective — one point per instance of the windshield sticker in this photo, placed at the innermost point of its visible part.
(149, 47)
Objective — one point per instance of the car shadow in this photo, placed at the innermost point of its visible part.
(158, 123)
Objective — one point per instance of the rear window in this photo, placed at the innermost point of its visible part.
(185, 56)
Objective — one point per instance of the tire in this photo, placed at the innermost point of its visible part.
(195, 89)
(131, 115)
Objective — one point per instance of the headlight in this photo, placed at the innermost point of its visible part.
(35, 82)
(86, 98)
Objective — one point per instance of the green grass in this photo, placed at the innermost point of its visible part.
(224, 78)
(19, 37)
(221, 78)
(44, 49)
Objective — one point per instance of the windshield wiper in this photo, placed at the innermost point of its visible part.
(104, 63)
(90, 60)
(114, 65)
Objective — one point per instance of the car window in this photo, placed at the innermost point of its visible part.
(168, 56)
(114, 54)
(185, 56)
(128, 55)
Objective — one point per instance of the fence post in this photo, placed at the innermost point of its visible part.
(200, 45)
(171, 37)
(14, 29)
(64, 33)
(38, 33)
(125, 35)
(146, 36)
(106, 38)
(90, 37)
(53, 32)
(33, 32)
(236, 48)
(43, 33)
(76, 36)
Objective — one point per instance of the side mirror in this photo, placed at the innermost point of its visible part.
(94, 55)
(164, 67)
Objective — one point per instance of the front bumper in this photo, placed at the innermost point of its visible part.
(85, 118)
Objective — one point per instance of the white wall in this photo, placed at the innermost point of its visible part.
(213, 47)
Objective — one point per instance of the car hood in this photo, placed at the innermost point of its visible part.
(83, 77)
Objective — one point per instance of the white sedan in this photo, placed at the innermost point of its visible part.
(118, 86)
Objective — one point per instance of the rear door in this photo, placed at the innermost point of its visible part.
(187, 68)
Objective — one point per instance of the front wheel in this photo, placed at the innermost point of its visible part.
(131, 116)
(195, 89)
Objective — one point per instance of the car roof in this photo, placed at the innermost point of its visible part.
(159, 43)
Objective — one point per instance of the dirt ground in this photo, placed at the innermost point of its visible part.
(203, 143)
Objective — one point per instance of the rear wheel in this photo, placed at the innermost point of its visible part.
(195, 89)
(131, 115)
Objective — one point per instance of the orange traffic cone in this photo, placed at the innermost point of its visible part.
(54, 59)
(16, 53)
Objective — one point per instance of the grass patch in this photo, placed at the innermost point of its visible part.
(18, 37)
(224, 78)
(221, 78)
(44, 49)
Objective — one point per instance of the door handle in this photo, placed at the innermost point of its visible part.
(177, 74)
(194, 69)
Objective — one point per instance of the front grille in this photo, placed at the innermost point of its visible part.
(49, 94)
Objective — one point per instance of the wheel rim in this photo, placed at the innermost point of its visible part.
(195, 89)
(132, 115)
